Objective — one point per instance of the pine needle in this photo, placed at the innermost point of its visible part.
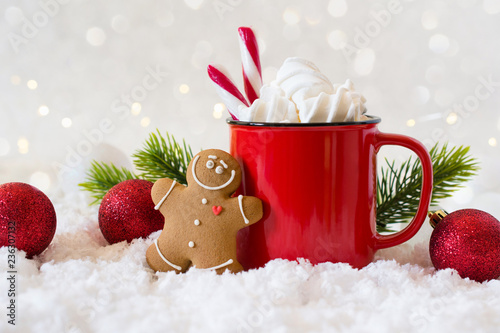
(163, 158)
(101, 177)
(398, 189)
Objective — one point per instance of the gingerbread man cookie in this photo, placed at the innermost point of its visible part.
(202, 219)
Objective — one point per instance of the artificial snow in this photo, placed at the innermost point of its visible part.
(82, 284)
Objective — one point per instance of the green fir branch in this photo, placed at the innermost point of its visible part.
(101, 177)
(160, 158)
(398, 189)
(163, 158)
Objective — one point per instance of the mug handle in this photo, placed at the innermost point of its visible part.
(381, 139)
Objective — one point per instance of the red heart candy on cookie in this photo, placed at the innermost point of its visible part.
(216, 209)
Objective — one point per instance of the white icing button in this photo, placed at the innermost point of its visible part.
(204, 201)
(191, 244)
(196, 222)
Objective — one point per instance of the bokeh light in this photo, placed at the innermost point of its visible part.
(13, 15)
(32, 84)
(194, 4)
(96, 36)
(439, 43)
(183, 88)
(452, 118)
(15, 80)
(43, 110)
(120, 24)
(218, 110)
(66, 122)
(136, 108)
(337, 39)
(291, 16)
(23, 145)
(145, 121)
(337, 8)
(420, 95)
(313, 18)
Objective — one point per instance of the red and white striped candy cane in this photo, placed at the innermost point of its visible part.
(226, 89)
(252, 73)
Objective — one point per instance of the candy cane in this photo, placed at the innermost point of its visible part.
(252, 73)
(226, 89)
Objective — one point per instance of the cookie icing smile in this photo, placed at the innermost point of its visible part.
(212, 188)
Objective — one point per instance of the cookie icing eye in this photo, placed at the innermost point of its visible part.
(210, 164)
(219, 170)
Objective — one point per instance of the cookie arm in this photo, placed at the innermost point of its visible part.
(250, 209)
(161, 190)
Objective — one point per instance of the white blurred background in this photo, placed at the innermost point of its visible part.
(88, 79)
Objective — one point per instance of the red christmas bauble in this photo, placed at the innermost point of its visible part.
(468, 241)
(127, 212)
(27, 218)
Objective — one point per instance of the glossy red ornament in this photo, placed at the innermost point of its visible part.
(468, 241)
(127, 212)
(317, 183)
(27, 218)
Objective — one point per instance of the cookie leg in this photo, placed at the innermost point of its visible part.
(159, 263)
(235, 267)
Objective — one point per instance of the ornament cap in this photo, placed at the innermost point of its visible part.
(436, 217)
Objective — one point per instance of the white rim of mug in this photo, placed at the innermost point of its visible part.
(372, 120)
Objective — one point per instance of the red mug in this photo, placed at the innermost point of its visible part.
(317, 182)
